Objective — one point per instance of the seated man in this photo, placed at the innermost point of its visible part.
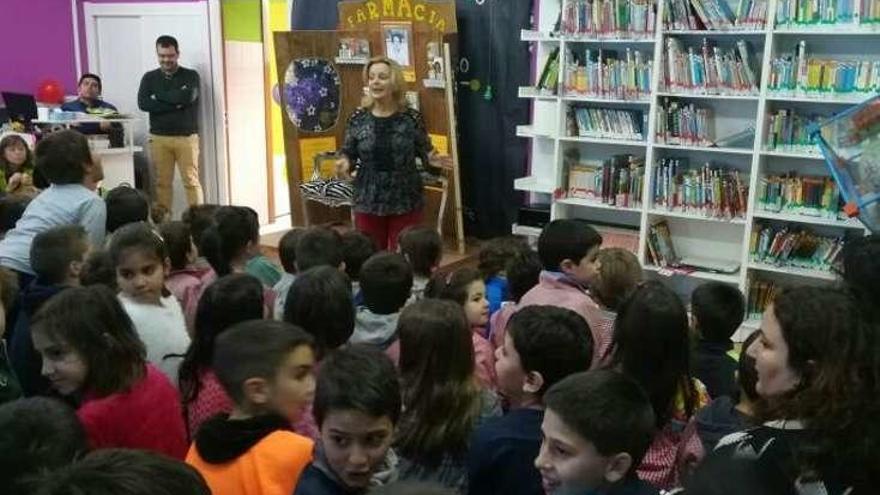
(89, 101)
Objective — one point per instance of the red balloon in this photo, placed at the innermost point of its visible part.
(50, 91)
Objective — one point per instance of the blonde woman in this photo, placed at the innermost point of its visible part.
(383, 138)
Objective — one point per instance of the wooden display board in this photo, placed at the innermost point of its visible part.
(420, 34)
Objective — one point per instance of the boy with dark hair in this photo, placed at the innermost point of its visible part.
(66, 161)
(357, 248)
(597, 427)
(125, 205)
(199, 218)
(287, 256)
(357, 405)
(423, 248)
(57, 256)
(543, 345)
(12, 208)
(266, 368)
(717, 311)
(184, 280)
(386, 285)
(523, 271)
(319, 246)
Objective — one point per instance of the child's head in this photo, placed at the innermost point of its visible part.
(570, 246)
(8, 296)
(88, 342)
(619, 273)
(440, 392)
(357, 248)
(125, 205)
(229, 300)
(386, 282)
(357, 404)
(99, 270)
(124, 472)
(422, 247)
(178, 241)
(12, 208)
(523, 272)
(266, 367)
(64, 157)
(746, 372)
(496, 254)
(232, 238)
(199, 218)
(15, 154)
(651, 344)
(718, 310)
(287, 249)
(58, 254)
(543, 345)
(466, 287)
(319, 246)
(597, 427)
(141, 260)
(320, 302)
(38, 434)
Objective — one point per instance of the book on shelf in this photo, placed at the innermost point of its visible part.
(612, 19)
(660, 247)
(710, 191)
(800, 73)
(789, 130)
(760, 294)
(606, 123)
(794, 246)
(616, 181)
(799, 13)
(549, 80)
(800, 195)
(714, 15)
(709, 69)
(683, 123)
(604, 73)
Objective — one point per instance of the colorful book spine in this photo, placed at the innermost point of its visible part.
(794, 246)
(714, 15)
(788, 130)
(683, 124)
(760, 294)
(795, 13)
(607, 123)
(617, 181)
(709, 69)
(549, 80)
(801, 73)
(800, 195)
(710, 191)
(603, 74)
(609, 18)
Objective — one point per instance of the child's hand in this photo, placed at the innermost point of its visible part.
(14, 182)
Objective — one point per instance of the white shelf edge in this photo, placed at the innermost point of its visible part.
(791, 270)
(528, 131)
(842, 29)
(718, 277)
(532, 92)
(531, 184)
(593, 204)
(806, 219)
(118, 151)
(525, 230)
(707, 96)
(586, 39)
(621, 142)
(534, 35)
(729, 151)
(691, 216)
(716, 32)
(827, 101)
(793, 154)
(599, 99)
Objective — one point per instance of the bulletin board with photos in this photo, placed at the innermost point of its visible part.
(321, 85)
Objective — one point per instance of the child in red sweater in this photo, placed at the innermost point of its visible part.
(92, 353)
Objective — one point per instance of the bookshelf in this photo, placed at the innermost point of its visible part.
(732, 111)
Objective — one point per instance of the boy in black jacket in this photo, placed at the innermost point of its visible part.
(718, 310)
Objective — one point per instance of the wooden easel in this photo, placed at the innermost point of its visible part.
(423, 22)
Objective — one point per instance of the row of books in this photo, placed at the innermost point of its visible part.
(714, 15)
(760, 294)
(811, 12)
(661, 251)
(607, 74)
(616, 181)
(801, 195)
(709, 191)
(710, 69)
(609, 18)
(788, 130)
(802, 72)
(607, 123)
(794, 246)
(683, 124)
(548, 82)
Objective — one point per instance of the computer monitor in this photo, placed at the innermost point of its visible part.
(20, 107)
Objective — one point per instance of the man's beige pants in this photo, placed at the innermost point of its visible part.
(183, 150)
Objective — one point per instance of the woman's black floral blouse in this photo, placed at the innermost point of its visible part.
(384, 150)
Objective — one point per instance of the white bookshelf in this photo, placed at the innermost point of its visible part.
(693, 234)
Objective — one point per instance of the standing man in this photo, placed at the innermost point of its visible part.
(170, 94)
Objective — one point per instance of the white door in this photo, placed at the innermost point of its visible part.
(121, 48)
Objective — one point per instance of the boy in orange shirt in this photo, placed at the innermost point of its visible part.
(266, 367)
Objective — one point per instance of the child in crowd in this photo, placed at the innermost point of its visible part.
(543, 345)
(465, 286)
(523, 271)
(66, 161)
(198, 218)
(493, 260)
(125, 205)
(729, 414)
(357, 405)
(356, 249)
(17, 174)
(717, 310)
(12, 208)
(229, 300)
(386, 283)
(57, 257)
(652, 345)
(442, 399)
(92, 354)
(597, 427)
(423, 248)
(319, 246)
(266, 367)
(619, 274)
(141, 261)
(569, 250)
(38, 434)
(184, 280)
(320, 303)
(124, 472)
(861, 270)
(287, 256)
(99, 270)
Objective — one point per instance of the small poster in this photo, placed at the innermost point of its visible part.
(309, 148)
(354, 49)
(441, 144)
(398, 43)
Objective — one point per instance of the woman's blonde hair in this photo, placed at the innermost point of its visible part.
(397, 83)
